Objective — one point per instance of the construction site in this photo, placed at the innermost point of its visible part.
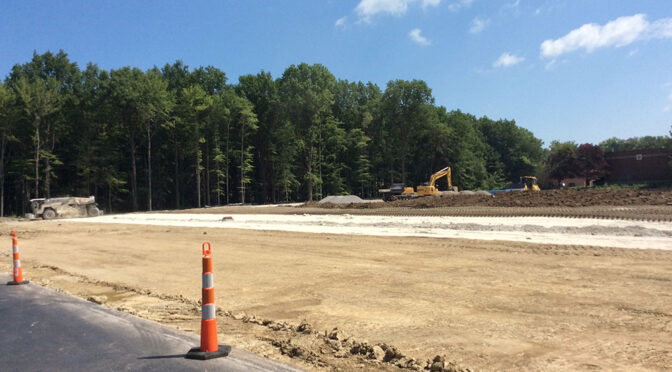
(545, 280)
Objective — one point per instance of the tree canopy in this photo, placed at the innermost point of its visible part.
(177, 137)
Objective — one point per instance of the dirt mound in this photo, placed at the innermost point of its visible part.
(544, 198)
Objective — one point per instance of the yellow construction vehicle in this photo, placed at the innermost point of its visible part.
(530, 183)
(398, 191)
(430, 187)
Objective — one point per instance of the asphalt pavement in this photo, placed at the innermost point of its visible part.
(43, 330)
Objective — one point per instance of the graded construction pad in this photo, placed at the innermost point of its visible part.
(544, 230)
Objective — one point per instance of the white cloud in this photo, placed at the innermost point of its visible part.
(507, 59)
(661, 29)
(459, 4)
(668, 106)
(340, 22)
(428, 3)
(368, 8)
(478, 24)
(513, 4)
(417, 37)
(619, 32)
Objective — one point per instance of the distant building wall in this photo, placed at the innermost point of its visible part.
(638, 166)
(573, 182)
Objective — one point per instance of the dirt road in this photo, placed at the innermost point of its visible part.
(486, 305)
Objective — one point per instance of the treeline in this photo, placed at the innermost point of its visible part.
(174, 137)
(636, 143)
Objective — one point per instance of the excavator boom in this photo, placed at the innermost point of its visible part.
(431, 189)
(443, 172)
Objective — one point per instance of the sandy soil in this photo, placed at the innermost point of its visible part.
(548, 230)
(487, 305)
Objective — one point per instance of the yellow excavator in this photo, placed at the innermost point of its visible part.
(430, 187)
(399, 191)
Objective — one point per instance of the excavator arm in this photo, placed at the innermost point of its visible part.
(443, 172)
(431, 189)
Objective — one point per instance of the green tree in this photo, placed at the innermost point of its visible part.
(178, 77)
(154, 107)
(515, 151)
(590, 162)
(195, 106)
(56, 72)
(635, 143)
(246, 121)
(306, 94)
(273, 141)
(356, 107)
(561, 162)
(125, 94)
(39, 100)
(405, 107)
(6, 134)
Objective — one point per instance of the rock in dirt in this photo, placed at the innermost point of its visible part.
(239, 316)
(97, 299)
(304, 327)
(337, 334)
(437, 364)
(377, 353)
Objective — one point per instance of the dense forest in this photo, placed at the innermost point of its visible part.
(175, 137)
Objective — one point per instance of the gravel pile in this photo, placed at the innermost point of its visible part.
(342, 199)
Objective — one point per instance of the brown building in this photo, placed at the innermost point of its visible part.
(639, 166)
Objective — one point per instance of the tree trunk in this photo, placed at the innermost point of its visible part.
(403, 163)
(309, 171)
(3, 145)
(134, 181)
(47, 179)
(242, 163)
(37, 158)
(207, 175)
(47, 163)
(176, 179)
(217, 169)
(109, 197)
(198, 165)
(149, 166)
(228, 133)
(319, 158)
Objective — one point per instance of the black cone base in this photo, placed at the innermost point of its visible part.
(196, 353)
(18, 283)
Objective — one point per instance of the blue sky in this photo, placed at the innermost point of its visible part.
(565, 69)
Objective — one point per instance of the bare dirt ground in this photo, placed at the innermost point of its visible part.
(396, 301)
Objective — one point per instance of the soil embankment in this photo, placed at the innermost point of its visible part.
(543, 198)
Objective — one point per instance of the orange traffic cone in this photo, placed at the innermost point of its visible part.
(18, 273)
(209, 349)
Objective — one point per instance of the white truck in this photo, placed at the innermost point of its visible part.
(63, 207)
